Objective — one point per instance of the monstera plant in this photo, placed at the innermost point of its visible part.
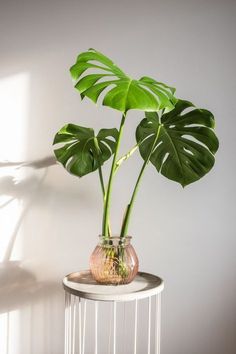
(174, 136)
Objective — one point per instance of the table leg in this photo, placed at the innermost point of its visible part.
(114, 327)
(96, 328)
(68, 320)
(158, 324)
(73, 323)
(74, 308)
(84, 326)
(80, 325)
(66, 324)
(149, 324)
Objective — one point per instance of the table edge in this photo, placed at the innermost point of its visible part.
(116, 297)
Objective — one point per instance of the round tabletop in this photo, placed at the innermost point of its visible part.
(83, 285)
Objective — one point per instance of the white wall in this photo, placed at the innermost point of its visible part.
(185, 236)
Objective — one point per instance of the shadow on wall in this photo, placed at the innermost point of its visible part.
(20, 190)
(12, 277)
(19, 287)
(34, 202)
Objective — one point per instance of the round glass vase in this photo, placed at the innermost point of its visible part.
(114, 261)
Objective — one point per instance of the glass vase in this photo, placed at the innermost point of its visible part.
(114, 261)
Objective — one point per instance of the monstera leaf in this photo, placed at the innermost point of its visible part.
(123, 92)
(183, 143)
(82, 152)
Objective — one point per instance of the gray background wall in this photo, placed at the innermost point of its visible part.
(50, 228)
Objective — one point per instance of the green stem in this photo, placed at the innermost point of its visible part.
(126, 219)
(101, 181)
(103, 193)
(126, 156)
(101, 178)
(106, 211)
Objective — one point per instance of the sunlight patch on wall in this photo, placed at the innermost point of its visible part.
(14, 108)
(4, 331)
(9, 217)
(9, 332)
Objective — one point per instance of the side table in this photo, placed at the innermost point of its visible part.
(107, 319)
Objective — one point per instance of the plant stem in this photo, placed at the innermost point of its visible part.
(126, 219)
(126, 156)
(103, 193)
(101, 181)
(107, 202)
